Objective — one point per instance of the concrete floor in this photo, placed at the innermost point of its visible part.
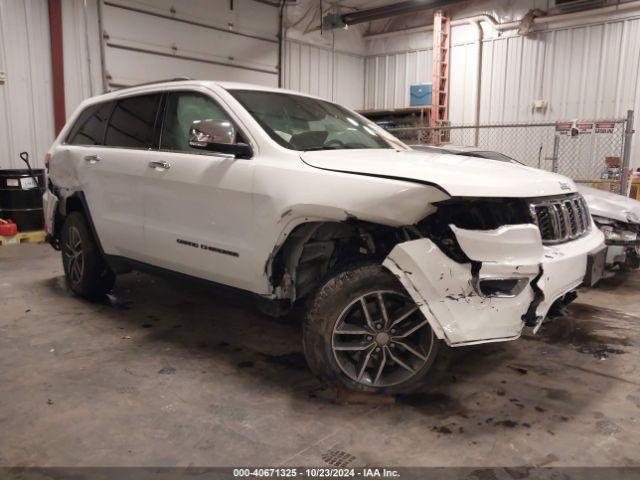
(165, 375)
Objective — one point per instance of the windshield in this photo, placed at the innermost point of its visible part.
(303, 123)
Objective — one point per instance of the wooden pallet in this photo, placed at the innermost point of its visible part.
(635, 189)
(23, 237)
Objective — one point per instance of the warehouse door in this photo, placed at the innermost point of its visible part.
(228, 40)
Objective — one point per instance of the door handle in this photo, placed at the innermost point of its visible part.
(92, 158)
(160, 165)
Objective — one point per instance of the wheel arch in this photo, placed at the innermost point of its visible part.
(76, 202)
(312, 247)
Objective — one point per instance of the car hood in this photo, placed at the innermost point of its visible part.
(611, 205)
(457, 175)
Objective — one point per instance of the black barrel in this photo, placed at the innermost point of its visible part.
(19, 203)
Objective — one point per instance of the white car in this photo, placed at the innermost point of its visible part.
(619, 219)
(617, 216)
(290, 199)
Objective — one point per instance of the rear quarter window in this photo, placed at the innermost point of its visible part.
(90, 126)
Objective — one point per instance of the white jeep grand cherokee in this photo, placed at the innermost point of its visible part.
(291, 199)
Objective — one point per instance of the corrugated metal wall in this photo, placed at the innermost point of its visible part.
(584, 72)
(26, 109)
(388, 77)
(205, 39)
(327, 73)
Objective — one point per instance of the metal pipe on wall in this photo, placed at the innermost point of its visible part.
(478, 83)
(281, 37)
(428, 28)
(626, 155)
(85, 18)
(103, 65)
(57, 64)
(267, 2)
(393, 10)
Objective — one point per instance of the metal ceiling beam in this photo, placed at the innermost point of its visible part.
(387, 11)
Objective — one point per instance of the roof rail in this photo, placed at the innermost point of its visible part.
(176, 79)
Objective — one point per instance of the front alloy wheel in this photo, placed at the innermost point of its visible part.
(364, 331)
(382, 339)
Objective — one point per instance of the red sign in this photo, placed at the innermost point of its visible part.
(584, 127)
(563, 128)
(605, 127)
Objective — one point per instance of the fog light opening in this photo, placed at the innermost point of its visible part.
(501, 287)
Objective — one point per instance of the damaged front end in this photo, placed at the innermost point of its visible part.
(480, 269)
(622, 240)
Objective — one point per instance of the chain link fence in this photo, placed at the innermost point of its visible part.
(587, 151)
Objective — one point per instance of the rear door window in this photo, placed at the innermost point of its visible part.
(133, 122)
(90, 126)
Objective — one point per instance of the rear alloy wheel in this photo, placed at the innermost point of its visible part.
(364, 332)
(87, 273)
(72, 250)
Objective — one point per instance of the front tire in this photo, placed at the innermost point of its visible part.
(86, 271)
(363, 332)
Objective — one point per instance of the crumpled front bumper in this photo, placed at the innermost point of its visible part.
(620, 250)
(444, 289)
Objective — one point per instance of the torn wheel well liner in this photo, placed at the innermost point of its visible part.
(315, 248)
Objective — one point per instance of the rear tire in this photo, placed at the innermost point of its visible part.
(86, 272)
(387, 348)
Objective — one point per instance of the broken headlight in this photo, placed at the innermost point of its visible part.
(613, 235)
(603, 220)
(471, 214)
(616, 233)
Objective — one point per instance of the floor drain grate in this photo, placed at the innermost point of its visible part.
(338, 458)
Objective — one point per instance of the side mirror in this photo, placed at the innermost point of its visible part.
(217, 136)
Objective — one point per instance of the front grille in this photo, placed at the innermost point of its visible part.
(561, 219)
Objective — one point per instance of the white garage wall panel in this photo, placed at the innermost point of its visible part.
(26, 105)
(334, 75)
(588, 72)
(204, 39)
(388, 77)
(81, 43)
(464, 64)
(585, 72)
